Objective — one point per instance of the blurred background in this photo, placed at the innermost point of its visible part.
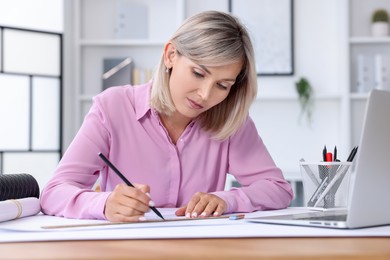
(317, 60)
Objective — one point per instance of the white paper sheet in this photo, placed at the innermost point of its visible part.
(29, 229)
(44, 223)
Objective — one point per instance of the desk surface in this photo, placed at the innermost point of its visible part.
(235, 248)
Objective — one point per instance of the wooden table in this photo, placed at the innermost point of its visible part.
(203, 249)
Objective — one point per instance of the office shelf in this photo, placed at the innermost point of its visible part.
(125, 43)
(369, 40)
(362, 45)
(359, 96)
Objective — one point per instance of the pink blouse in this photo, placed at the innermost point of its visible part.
(122, 125)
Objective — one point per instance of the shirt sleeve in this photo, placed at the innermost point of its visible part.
(263, 186)
(69, 193)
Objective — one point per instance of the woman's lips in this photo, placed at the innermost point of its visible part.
(194, 105)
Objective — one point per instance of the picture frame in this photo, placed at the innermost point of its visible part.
(270, 24)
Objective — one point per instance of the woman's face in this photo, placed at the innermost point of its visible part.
(195, 88)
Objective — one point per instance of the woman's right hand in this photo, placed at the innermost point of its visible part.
(128, 204)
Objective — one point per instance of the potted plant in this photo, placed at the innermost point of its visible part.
(380, 23)
(305, 98)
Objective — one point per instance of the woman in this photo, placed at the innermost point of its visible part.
(176, 137)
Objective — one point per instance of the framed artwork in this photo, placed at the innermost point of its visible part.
(270, 25)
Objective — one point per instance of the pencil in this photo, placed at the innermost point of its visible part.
(230, 217)
(126, 180)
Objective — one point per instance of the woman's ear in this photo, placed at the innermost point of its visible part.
(169, 55)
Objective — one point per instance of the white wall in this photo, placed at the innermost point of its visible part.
(316, 42)
(319, 55)
(316, 34)
(38, 14)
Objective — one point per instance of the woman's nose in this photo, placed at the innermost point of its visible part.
(204, 91)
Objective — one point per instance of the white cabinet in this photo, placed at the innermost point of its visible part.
(369, 58)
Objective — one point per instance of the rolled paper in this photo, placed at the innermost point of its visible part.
(19, 208)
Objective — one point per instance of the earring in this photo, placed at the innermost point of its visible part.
(167, 70)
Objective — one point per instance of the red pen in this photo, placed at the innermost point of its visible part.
(329, 157)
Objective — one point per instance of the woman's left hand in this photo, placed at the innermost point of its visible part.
(203, 205)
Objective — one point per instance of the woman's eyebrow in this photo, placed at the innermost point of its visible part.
(208, 72)
(205, 69)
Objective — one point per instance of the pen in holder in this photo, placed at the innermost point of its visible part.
(326, 184)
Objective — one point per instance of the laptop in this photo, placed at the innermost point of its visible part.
(368, 204)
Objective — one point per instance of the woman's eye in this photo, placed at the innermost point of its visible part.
(197, 74)
(221, 86)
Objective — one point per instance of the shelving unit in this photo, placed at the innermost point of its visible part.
(369, 40)
(362, 43)
(100, 32)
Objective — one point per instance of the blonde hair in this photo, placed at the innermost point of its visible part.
(213, 38)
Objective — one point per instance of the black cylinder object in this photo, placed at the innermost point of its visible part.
(17, 186)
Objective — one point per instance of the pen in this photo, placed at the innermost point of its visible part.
(322, 173)
(324, 151)
(352, 154)
(329, 157)
(125, 180)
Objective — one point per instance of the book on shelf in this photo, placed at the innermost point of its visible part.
(117, 72)
(364, 73)
(141, 76)
(372, 71)
(131, 20)
(382, 70)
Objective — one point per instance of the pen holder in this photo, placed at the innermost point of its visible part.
(326, 184)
